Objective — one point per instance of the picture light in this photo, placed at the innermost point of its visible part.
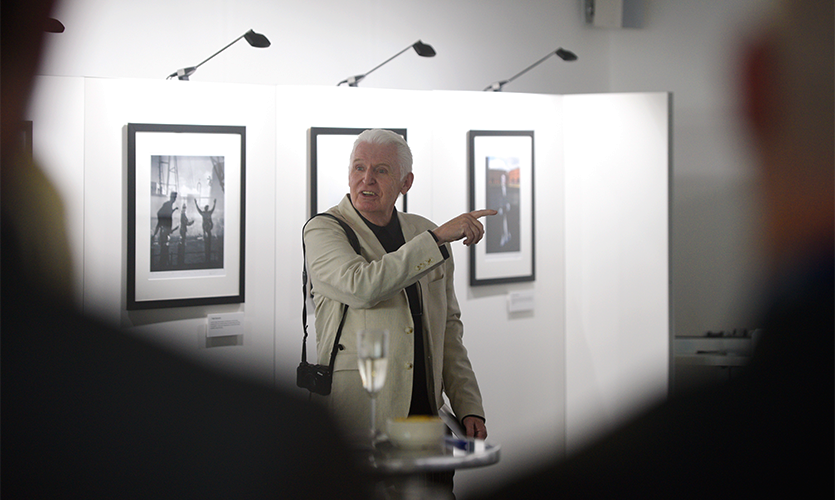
(422, 49)
(255, 39)
(565, 55)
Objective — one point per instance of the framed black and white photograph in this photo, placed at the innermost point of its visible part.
(502, 179)
(330, 152)
(186, 207)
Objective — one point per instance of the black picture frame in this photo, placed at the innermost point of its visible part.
(501, 177)
(203, 264)
(329, 149)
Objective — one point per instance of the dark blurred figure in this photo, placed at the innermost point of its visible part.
(91, 412)
(769, 432)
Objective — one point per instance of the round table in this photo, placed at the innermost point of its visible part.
(400, 473)
(453, 453)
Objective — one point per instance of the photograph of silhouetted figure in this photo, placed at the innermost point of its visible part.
(165, 218)
(187, 179)
(206, 213)
(502, 231)
(185, 222)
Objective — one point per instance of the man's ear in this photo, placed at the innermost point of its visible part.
(759, 88)
(407, 183)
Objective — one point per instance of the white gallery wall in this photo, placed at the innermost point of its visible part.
(617, 258)
(508, 350)
(517, 356)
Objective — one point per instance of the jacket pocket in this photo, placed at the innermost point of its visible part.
(435, 275)
(345, 361)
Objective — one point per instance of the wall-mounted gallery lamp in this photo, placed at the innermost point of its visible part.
(255, 39)
(565, 55)
(423, 50)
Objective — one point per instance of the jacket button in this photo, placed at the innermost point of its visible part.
(409, 366)
(409, 330)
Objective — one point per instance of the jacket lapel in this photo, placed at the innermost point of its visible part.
(409, 230)
(368, 241)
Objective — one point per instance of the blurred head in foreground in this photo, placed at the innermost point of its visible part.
(787, 87)
(768, 431)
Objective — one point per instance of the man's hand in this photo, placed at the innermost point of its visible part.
(464, 226)
(475, 427)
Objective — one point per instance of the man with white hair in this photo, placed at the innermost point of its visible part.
(401, 282)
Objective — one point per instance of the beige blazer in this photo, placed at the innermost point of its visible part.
(373, 285)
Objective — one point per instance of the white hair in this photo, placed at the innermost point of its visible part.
(386, 137)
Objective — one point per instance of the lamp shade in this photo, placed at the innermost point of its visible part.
(256, 39)
(423, 49)
(566, 55)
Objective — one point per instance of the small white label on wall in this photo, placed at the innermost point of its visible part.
(223, 325)
(520, 301)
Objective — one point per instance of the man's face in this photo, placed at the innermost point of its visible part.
(375, 182)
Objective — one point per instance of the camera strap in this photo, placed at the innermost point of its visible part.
(355, 244)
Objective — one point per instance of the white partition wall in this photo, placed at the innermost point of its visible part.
(518, 357)
(596, 339)
(108, 106)
(617, 258)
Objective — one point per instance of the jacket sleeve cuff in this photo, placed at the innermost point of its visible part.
(444, 251)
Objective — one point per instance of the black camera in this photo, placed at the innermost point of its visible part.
(314, 378)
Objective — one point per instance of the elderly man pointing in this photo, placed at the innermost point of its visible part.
(402, 282)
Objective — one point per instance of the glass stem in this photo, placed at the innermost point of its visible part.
(373, 417)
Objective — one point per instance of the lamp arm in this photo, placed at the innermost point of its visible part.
(221, 50)
(529, 67)
(387, 60)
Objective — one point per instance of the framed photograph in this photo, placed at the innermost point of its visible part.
(186, 208)
(502, 178)
(330, 151)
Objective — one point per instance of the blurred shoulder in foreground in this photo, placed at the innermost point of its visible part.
(93, 412)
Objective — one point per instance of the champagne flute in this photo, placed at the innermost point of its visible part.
(372, 357)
